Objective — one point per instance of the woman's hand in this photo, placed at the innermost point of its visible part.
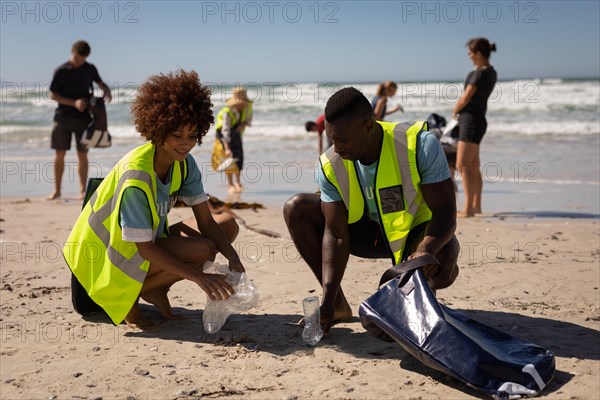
(396, 109)
(236, 266)
(215, 286)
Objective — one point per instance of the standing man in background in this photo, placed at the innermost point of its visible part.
(72, 88)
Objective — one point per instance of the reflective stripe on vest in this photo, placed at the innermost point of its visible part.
(232, 118)
(130, 267)
(396, 168)
(110, 269)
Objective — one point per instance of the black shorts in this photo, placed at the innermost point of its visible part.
(235, 145)
(63, 130)
(472, 127)
(367, 240)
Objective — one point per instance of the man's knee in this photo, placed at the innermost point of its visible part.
(298, 206)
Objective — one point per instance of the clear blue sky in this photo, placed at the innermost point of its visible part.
(301, 41)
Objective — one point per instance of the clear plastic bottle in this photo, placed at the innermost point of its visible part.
(215, 315)
(245, 298)
(312, 332)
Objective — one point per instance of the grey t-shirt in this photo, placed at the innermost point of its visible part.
(485, 80)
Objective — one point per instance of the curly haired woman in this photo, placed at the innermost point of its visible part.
(120, 248)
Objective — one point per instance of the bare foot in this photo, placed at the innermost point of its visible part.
(341, 314)
(238, 188)
(465, 214)
(135, 318)
(232, 190)
(158, 297)
(53, 196)
(81, 195)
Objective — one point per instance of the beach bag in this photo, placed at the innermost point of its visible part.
(82, 303)
(96, 134)
(405, 310)
(219, 160)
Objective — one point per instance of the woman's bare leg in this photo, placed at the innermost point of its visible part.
(194, 251)
(467, 162)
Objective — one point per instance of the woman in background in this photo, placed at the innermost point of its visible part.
(470, 111)
(379, 102)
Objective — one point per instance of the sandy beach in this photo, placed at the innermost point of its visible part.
(535, 278)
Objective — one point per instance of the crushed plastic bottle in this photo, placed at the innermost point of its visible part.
(312, 332)
(245, 297)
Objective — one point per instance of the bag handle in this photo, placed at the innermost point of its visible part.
(408, 266)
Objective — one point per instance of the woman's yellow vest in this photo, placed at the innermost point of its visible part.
(245, 115)
(232, 118)
(397, 188)
(111, 270)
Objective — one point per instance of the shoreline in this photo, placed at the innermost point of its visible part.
(500, 215)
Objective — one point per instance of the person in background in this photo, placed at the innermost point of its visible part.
(121, 247)
(229, 127)
(470, 111)
(71, 88)
(318, 126)
(247, 113)
(379, 103)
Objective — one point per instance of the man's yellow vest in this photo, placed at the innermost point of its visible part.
(111, 270)
(397, 188)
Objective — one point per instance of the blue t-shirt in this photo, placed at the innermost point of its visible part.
(136, 218)
(431, 164)
(374, 104)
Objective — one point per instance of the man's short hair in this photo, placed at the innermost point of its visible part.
(82, 48)
(347, 101)
(310, 125)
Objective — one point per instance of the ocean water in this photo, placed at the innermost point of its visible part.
(541, 152)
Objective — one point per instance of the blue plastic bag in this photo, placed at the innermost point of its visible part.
(405, 310)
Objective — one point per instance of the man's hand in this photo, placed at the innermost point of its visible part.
(107, 96)
(80, 104)
(428, 270)
(236, 266)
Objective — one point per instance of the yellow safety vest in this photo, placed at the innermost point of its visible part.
(232, 118)
(110, 269)
(246, 113)
(397, 188)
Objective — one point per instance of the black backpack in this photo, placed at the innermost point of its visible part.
(82, 303)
